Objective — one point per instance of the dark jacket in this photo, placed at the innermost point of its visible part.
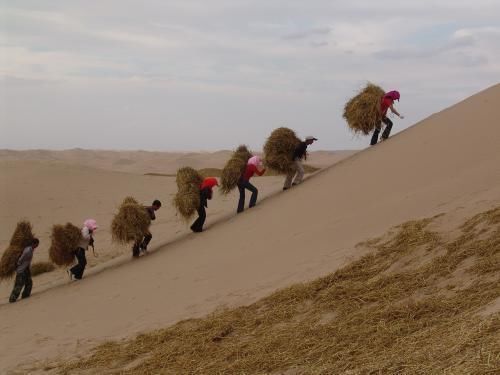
(151, 212)
(24, 260)
(300, 151)
(205, 194)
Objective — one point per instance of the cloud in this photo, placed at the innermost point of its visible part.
(188, 67)
(307, 33)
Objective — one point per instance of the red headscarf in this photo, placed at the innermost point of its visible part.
(209, 182)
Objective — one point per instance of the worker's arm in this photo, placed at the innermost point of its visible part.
(393, 110)
(260, 172)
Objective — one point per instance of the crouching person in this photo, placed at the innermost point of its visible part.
(23, 273)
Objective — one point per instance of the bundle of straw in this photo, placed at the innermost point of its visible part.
(234, 168)
(131, 222)
(243, 152)
(65, 240)
(187, 199)
(279, 149)
(21, 238)
(362, 112)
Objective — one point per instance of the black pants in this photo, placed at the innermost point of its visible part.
(23, 280)
(141, 244)
(198, 223)
(385, 134)
(242, 185)
(82, 262)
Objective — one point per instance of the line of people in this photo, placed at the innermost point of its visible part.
(23, 281)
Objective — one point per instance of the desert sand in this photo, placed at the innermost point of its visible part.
(54, 187)
(447, 163)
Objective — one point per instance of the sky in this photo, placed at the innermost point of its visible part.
(207, 75)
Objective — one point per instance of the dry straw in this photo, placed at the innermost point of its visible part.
(362, 112)
(131, 222)
(370, 317)
(22, 237)
(279, 149)
(187, 199)
(234, 168)
(41, 267)
(64, 242)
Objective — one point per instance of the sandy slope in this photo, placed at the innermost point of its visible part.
(448, 163)
(49, 187)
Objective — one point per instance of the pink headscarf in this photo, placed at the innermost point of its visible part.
(91, 224)
(255, 160)
(394, 95)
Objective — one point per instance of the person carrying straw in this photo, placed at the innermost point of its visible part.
(387, 103)
(299, 153)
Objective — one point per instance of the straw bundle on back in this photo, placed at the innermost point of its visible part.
(21, 238)
(65, 240)
(278, 150)
(234, 168)
(130, 223)
(187, 199)
(362, 112)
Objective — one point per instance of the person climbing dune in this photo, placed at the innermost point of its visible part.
(386, 103)
(205, 194)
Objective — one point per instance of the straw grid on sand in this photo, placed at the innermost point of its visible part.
(399, 309)
(41, 267)
(234, 168)
(21, 238)
(362, 112)
(64, 242)
(279, 149)
(130, 223)
(187, 198)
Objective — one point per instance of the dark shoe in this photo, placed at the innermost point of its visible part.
(285, 188)
(197, 230)
(12, 300)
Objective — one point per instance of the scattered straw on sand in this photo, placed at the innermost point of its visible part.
(359, 319)
(41, 267)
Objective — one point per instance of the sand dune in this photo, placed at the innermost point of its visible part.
(141, 162)
(447, 163)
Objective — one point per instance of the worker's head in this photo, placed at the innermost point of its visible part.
(394, 95)
(255, 160)
(156, 204)
(90, 224)
(35, 243)
(310, 139)
(209, 182)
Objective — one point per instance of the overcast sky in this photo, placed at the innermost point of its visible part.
(200, 74)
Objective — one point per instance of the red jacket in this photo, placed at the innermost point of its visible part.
(209, 182)
(385, 104)
(250, 171)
